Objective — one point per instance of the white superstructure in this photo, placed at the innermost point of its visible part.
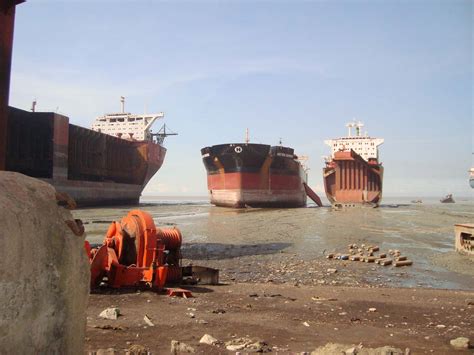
(125, 125)
(365, 146)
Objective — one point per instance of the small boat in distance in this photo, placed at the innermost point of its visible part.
(447, 199)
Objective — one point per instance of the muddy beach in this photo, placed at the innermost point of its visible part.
(283, 252)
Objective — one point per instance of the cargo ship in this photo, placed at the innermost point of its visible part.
(353, 175)
(255, 175)
(109, 164)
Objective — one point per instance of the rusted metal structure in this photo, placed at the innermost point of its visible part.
(349, 180)
(353, 175)
(92, 167)
(7, 24)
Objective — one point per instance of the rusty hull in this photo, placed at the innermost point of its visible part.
(349, 181)
(92, 167)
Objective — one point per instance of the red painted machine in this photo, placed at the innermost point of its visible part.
(136, 254)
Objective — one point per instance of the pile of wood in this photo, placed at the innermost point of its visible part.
(372, 254)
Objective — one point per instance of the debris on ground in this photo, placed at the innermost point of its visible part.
(209, 339)
(148, 321)
(367, 253)
(178, 347)
(460, 343)
(111, 313)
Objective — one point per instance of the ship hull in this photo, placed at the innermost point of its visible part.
(93, 168)
(351, 181)
(254, 175)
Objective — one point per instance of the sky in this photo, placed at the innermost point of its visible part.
(291, 70)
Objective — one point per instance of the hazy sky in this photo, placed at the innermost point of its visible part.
(295, 70)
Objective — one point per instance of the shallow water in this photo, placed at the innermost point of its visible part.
(423, 232)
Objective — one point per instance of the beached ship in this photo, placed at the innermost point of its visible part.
(255, 175)
(353, 175)
(109, 164)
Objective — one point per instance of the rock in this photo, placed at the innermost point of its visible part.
(137, 350)
(208, 339)
(148, 321)
(335, 348)
(178, 348)
(331, 271)
(372, 309)
(235, 347)
(109, 351)
(110, 313)
(440, 326)
(44, 286)
(460, 343)
(306, 324)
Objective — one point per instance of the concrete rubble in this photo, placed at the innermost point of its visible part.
(44, 271)
(111, 313)
(460, 343)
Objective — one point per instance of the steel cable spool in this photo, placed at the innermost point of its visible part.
(171, 237)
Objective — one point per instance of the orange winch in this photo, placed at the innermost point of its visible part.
(137, 254)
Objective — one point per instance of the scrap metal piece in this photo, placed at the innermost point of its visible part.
(201, 274)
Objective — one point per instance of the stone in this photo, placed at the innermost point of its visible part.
(148, 321)
(372, 309)
(208, 339)
(235, 347)
(111, 313)
(351, 351)
(440, 326)
(179, 348)
(137, 350)
(109, 351)
(460, 343)
(331, 271)
(44, 287)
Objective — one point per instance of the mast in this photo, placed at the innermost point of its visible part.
(247, 140)
(122, 104)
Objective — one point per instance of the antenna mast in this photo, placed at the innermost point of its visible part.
(247, 136)
(122, 103)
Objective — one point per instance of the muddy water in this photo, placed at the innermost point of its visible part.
(422, 232)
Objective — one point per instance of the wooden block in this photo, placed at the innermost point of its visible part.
(403, 263)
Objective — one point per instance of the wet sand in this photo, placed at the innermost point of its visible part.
(255, 245)
(275, 277)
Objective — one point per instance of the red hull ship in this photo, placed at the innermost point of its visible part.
(353, 175)
(255, 175)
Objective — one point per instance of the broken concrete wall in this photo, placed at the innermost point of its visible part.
(44, 273)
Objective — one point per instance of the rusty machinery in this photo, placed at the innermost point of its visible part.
(135, 253)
